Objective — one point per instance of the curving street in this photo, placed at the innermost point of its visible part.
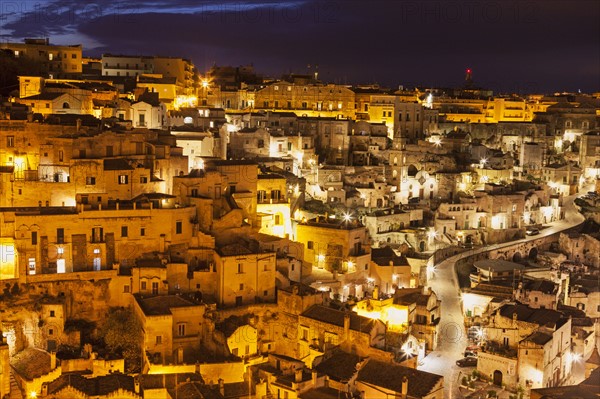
(452, 339)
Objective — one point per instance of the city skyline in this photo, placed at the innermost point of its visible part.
(522, 47)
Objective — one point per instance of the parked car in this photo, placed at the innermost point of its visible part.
(470, 354)
(467, 362)
(532, 231)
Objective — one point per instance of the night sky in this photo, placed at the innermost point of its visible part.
(512, 46)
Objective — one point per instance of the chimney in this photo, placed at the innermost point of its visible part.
(514, 317)
(44, 389)
(136, 384)
(404, 387)
(298, 375)
(52, 360)
(346, 325)
(315, 377)
(221, 387)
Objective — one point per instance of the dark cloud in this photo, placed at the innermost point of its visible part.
(511, 45)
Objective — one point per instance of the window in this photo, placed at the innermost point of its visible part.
(241, 287)
(126, 288)
(50, 331)
(265, 293)
(60, 156)
(10, 141)
(310, 245)
(124, 231)
(52, 313)
(143, 286)
(158, 339)
(240, 268)
(506, 341)
(181, 329)
(142, 231)
(178, 227)
(90, 181)
(143, 179)
(60, 236)
(34, 238)
(123, 179)
(97, 234)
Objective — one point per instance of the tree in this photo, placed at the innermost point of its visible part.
(122, 335)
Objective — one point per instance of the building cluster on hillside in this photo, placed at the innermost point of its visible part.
(270, 237)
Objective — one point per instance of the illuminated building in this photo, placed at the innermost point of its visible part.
(307, 99)
(55, 61)
(171, 328)
(325, 328)
(335, 244)
(525, 346)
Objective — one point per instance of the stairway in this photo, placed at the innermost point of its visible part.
(15, 391)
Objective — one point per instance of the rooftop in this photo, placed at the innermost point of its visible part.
(542, 317)
(339, 367)
(93, 387)
(336, 317)
(162, 305)
(389, 376)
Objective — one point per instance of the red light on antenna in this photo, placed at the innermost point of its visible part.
(468, 70)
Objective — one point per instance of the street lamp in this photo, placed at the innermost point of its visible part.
(347, 217)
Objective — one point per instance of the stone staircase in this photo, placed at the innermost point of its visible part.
(15, 391)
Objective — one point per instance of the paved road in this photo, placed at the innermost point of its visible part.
(452, 338)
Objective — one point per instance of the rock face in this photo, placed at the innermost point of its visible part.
(35, 316)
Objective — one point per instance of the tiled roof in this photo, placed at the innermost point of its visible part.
(595, 357)
(339, 367)
(541, 317)
(539, 338)
(336, 317)
(162, 305)
(98, 386)
(31, 363)
(383, 257)
(389, 376)
(544, 286)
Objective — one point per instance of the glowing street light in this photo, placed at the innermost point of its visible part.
(432, 234)
(347, 217)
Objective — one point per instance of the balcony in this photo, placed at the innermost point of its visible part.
(280, 200)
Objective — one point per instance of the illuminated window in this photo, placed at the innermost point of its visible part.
(10, 141)
(123, 179)
(90, 181)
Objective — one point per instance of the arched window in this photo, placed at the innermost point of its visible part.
(66, 105)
